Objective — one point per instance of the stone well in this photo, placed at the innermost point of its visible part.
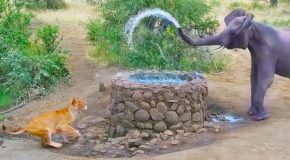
(157, 101)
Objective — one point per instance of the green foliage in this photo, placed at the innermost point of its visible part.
(5, 100)
(215, 3)
(36, 4)
(2, 117)
(282, 23)
(254, 4)
(27, 64)
(48, 35)
(45, 4)
(156, 48)
(257, 4)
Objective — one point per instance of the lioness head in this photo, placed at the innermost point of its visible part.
(79, 104)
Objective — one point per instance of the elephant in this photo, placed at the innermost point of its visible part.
(269, 49)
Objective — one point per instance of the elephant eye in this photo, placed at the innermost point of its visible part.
(232, 34)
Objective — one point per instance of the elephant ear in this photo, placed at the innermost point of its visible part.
(233, 14)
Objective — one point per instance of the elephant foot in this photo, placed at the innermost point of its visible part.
(260, 116)
(251, 112)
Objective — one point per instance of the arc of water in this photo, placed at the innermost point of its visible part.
(134, 21)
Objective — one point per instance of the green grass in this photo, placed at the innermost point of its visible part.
(29, 60)
(5, 100)
(2, 117)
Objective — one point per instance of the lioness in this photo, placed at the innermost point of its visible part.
(58, 121)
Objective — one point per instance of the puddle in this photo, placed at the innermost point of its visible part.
(230, 118)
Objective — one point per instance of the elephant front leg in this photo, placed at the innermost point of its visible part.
(252, 111)
(265, 75)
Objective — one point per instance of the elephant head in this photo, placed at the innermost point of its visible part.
(237, 33)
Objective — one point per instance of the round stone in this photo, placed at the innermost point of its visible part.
(168, 96)
(116, 118)
(175, 142)
(160, 126)
(112, 131)
(173, 107)
(180, 109)
(142, 115)
(127, 125)
(147, 94)
(120, 107)
(187, 101)
(162, 107)
(146, 125)
(144, 147)
(129, 115)
(116, 96)
(133, 134)
(196, 107)
(180, 131)
(136, 96)
(194, 96)
(131, 106)
(156, 115)
(176, 126)
(188, 108)
(145, 105)
(126, 94)
(135, 142)
(153, 103)
(171, 117)
(181, 94)
(197, 117)
(160, 98)
(168, 132)
(120, 131)
(185, 117)
(145, 134)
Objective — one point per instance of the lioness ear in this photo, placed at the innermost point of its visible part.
(73, 101)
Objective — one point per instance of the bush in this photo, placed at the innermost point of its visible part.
(48, 35)
(154, 48)
(27, 65)
(5, 99)
(45, 4)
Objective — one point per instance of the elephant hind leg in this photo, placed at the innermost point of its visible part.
(256, 115)
(261, 116)
(251, 111)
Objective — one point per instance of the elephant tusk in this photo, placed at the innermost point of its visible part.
(219, 48)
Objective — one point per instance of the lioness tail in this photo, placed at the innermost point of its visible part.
(13, 133)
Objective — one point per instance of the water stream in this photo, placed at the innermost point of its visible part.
(135, 20)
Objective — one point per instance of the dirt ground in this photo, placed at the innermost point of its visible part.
(230, 90)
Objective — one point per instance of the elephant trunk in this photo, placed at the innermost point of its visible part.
(211, 40)
(248, 21)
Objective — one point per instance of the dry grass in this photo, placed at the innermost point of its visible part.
(77, 12)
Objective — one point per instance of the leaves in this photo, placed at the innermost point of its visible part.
(157, 44)
(24, 64)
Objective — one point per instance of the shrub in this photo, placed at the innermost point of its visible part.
(27, 64)
(48, 35)
(45, 4)
(5, 99)
(160, 47)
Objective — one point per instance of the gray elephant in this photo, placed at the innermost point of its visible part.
(269, 48)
